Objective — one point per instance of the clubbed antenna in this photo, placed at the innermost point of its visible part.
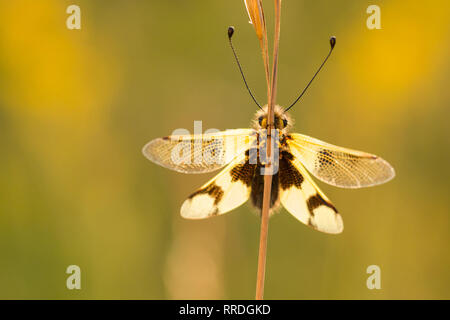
(230, 35)
(332, 44)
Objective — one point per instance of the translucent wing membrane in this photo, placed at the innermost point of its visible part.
(304, 200)
(199, 153)
(338, 166)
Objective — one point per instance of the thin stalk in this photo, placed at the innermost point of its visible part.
(265, 54)
(263, 42)
(268, 167)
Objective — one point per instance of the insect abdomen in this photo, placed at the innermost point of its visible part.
(258, 189)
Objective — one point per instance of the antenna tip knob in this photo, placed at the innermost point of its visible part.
(230, 31)
(332, 42)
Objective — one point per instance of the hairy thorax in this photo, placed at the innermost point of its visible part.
(281, 120)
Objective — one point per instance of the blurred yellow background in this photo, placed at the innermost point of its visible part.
(76, 107)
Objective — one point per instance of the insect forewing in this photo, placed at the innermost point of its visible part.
(339, 166)
(199, 153)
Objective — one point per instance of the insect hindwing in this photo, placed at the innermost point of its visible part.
(304, 200)
(226, 191)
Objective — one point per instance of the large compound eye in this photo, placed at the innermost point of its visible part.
(284, 123)
(260, 119)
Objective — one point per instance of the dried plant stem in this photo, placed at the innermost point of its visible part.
(268, 167)
(265, 54)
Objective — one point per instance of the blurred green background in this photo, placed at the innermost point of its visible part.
(76, 107)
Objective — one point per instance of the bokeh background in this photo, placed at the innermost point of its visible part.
(76, 107)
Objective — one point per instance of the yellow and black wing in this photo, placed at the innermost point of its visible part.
(300, 196)
(199, 153)
(339, 166)
(229, 189)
